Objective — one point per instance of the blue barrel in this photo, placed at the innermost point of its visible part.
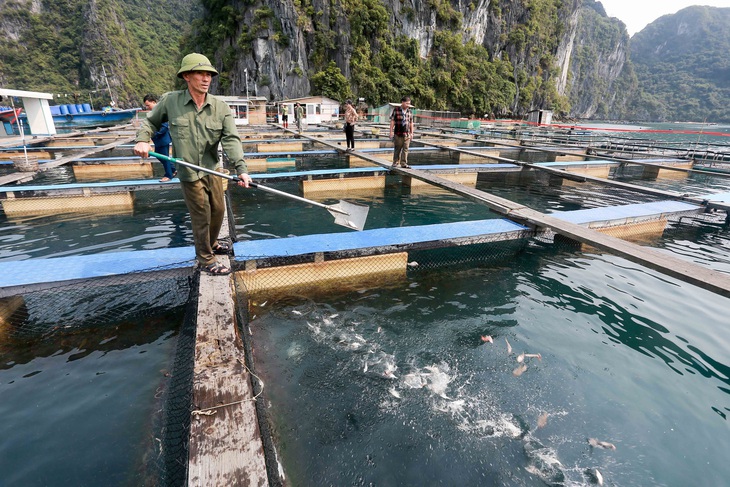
(55, 109)
(80, 108)
(87, 107)
(72, 109)
(64, 109)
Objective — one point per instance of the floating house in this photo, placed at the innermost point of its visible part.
(540, 117)
(318, 109)
(247, 110)
(37, 112)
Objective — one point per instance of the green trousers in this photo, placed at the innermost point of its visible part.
(400, 149)
(206, 204)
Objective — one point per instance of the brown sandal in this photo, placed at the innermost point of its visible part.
(216, 269)
(222, 248)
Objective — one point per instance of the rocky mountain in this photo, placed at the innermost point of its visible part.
(602, 79)
(480, 56)
(474, 56)
(66, 46)
(683, 66)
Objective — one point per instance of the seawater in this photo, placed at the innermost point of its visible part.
(394, 385)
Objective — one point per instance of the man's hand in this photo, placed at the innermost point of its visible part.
(142, 149)
(244, 180)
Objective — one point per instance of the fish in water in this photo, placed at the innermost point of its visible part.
(542, 420)
(487, 338)
(601, 444)
(414, 380)
(521, 357)
(519, 370)
(594, 476)
(389, 374)
(509, 347)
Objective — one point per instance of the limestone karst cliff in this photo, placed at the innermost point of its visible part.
(281, 44)
(501, 57)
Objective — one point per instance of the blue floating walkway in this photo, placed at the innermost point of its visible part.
(379, 237)
(59, 269)
(612, 213)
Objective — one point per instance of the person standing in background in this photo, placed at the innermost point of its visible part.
(199, 123)
(401, 131)
(298, 116)
(350, 119)
(285, 115)
(162, 140)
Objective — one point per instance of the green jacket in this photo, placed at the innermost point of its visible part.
(195, 134)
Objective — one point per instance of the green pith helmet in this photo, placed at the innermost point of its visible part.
(195, 62)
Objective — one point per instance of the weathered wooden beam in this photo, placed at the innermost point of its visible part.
(225, 446)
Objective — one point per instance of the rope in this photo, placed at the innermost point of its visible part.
(212, 410)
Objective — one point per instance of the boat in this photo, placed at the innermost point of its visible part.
(82, 116)
(68, 118)
(8, 114)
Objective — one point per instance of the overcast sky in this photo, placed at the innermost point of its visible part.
(637, 14)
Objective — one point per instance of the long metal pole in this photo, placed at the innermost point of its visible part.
(248, 102)
(113, 103)
(252, 184)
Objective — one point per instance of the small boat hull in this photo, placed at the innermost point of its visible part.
(94, 119)
(69, 122)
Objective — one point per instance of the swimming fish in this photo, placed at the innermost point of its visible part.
(414, 380)
(594, 476)
(509, 347)
(487, 338)
(413, 264)
(394, 392)
(521, 357)
(519, 370)
(601, 444)
(542, 420)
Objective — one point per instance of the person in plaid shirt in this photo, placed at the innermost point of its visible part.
(401, 131)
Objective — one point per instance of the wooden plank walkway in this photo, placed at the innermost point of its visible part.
(689, 272)
(553, 168)
(25, 176)
(225, 446)
(654, 162)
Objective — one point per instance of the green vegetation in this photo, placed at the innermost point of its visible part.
(62, 48)
(594, 90)
(331, 83)
(684, 72)
(683, 67)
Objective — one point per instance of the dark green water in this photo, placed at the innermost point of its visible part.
(629, 357)
(82, 408)
(396, 387)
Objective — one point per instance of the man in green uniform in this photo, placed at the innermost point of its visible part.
(298, 116)
(198, 123)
